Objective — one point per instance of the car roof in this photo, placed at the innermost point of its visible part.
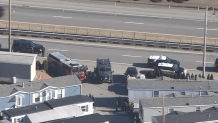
(22, 41)
(131, 68)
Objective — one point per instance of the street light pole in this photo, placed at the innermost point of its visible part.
(205, 39)
(9, 38)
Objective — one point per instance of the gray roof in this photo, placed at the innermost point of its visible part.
(68, 101)
(47, 105)
(17, 58)
(92, 118)
(34, 86)
(191, 117)
(168, 84)
(27, 110)
(179, 101)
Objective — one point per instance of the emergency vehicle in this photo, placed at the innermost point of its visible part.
(63, 65)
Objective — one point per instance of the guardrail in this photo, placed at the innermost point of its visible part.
(116, 36)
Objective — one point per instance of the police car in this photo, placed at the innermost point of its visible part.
(169, 68)
(154, 60)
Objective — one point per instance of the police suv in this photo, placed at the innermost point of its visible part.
(169, 68)
(154, 60)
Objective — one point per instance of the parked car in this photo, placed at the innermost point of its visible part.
(26, 46)
(154, 60)
(130, 72)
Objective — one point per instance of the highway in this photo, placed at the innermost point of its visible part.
(110, 21)
(119, 54)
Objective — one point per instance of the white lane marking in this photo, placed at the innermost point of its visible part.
(132, 56)
(57, 49)
(211, 20)
(205, 62)
(60, 17)
(207, 29)
(133, 23)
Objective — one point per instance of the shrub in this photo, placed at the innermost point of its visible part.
(45, 65)
(38, 65)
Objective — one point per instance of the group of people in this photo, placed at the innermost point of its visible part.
(124, 104)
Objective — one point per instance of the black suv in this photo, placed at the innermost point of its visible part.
(216, 65)
(103, 72)
(21, 45)
(130, 71)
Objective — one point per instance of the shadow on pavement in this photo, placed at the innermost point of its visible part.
(208, 69)
(109, 102)
(142, 65)
(118, 87)
(4, 49)
(143, 71)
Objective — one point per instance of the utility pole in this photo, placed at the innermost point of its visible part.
(205, 39)
(163, 114)
(9, 37)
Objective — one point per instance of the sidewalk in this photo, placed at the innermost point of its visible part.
(117, 8)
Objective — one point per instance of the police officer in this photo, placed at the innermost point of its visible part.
(116, 106)
(93, 100)
(119, 101)
(43, 51)
(122, 106)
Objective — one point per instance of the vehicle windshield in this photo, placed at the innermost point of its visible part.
(131, 71)
(168, 60)
(32, 44)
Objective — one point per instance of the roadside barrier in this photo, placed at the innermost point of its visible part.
(108, 36)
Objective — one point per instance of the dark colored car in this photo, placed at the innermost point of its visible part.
(26, 46)
(2, 11)
(103, 71)
(130, 71)
(168, 60)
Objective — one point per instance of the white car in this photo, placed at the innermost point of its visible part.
(153, 60)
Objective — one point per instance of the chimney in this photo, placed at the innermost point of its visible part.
(23, 84)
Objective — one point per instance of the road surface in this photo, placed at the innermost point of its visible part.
(112, 21)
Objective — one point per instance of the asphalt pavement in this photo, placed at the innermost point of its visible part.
(109, 20)
(119, 54)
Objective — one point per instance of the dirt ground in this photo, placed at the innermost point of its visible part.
(41, 74)
(190, 3)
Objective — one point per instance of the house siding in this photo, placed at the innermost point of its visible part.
(21, 72)
(135, 94)
(8, 102)
(73, 90)
(148, 113)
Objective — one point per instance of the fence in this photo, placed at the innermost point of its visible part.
(108, 33)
